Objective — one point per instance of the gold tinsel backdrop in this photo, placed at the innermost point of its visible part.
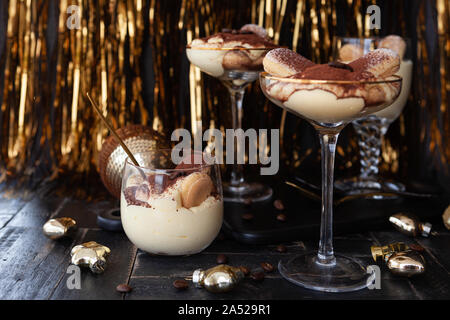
(130, 55)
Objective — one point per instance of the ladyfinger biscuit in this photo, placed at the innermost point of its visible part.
(282, 62)
(350, 52)
(236, 60)
(254, 28)
(195, 189)
(380, 63)
(395, 43)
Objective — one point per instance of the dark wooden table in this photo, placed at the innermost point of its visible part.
(34, 267)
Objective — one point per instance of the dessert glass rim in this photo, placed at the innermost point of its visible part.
(373, 37)
(164, 170)
(390, 79)
(408, 41)
(234, 48)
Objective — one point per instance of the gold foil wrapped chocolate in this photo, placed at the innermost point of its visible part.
(59, 227)
(382, 253)
(407, 264)
(112, 157)
(446, 218)
(90, 254)
(409, 224)
(221, 278)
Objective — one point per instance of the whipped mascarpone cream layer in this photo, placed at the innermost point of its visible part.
(329, 103)
(162, 225)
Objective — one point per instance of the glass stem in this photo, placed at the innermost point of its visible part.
(370, 132)
(237, 96)
(328, 146)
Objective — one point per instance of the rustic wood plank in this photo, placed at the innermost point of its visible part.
(30, 263)
(102, 286)
(435, 282)
(4, 219)
(269, 288)
(153, 275)
(14, 195)
(438, 246)
(38, 208)
(84, 213)
(36, 212)
(34, 267)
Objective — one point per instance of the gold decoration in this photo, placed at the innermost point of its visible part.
(410, 225)
(131, 53)
(221, 278)
(91, 255)
(384, 252)
(406, 264)
(112, 157)
(59, 227)
(446, 218)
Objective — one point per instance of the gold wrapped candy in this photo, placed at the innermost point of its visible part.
(384, 252)
(446, 218)
(90, 254)
(221, 278)
(410, 225)
(407, 264)
(59, 227)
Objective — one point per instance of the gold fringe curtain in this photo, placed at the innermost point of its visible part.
(130, 55)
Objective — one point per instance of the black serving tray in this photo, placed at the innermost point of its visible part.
(303, 215)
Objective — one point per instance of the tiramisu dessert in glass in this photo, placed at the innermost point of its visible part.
(171, 209)
(372, 128)
(329, 96)
(235, 58)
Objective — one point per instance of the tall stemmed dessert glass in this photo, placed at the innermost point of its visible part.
(329, 96)
(235, 58)
(372, 128)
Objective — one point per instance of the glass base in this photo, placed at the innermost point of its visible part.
(246, 192)
(360, 185)
(343, 276)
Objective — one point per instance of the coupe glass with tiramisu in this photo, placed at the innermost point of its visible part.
(235, 58)
(329, 96)
(371, 129)
(171, 209)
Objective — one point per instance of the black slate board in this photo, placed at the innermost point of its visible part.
(303, 216)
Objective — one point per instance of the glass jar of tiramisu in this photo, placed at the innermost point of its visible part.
(169, 208)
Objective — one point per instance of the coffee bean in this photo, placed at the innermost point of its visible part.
(245, 270)
(416, 247)
(180, 284)
(278, 204)
(257, 276)
(123, 288)
(221, 259)
(281, 248)
(247, 216)
(267, 266)
(281, 217)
